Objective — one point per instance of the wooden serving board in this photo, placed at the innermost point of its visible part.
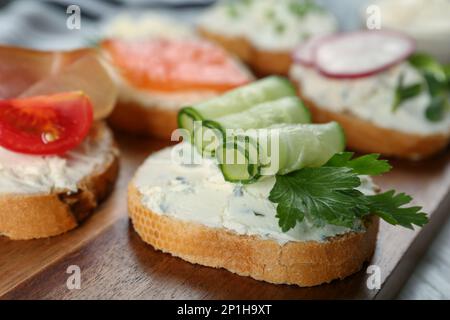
(116, 264)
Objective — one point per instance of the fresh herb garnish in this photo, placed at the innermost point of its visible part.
(403, 93)
(328, 195)
(280, 27)
(439, 103)
(437, 108)
(390, 207)
(447, 74)
(232, 11)
(368, 164)
(301, 8)
(437, 79)
(427, 64)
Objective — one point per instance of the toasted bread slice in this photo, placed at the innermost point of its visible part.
(366, 137)
(171, 214)
(305, 264)
(156, 119)
(262, 62)
(136, 119)
(29, 215)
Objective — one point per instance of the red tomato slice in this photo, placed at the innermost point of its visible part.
(171, 65)
(45, 125)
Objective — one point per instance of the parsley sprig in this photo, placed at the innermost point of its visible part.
(437, 80)
(436, 83)
(329, 195)
(405, 92)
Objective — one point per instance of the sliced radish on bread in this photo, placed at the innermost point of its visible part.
(355, 54)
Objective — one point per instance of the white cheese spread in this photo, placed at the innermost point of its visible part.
(198, 193)
(30, 174)
(168, 100)
(271, 25)
(371, 98)
(129, 26)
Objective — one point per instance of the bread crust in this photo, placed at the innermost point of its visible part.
(24, 217)
(366, 137)
(133, 118)
(262, 62)
(304, 264)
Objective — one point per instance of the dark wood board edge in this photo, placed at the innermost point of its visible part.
(349, 288)
(402, 272)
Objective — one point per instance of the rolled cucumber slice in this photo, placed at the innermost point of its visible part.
(237, 100)
(279, 149)
(284, 110)
(289, 110)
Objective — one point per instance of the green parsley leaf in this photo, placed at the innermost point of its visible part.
(447, 74)
(389, 206)
(328, 195)
(437, 79)
(368, 164)
(317, 194)
(427, 64)
(439, 104)
(437, 108)
(403, 93)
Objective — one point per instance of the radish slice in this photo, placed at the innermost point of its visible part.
(361, 54)
(306, 52)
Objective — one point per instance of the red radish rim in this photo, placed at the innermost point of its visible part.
(386, 66)
(296, 58)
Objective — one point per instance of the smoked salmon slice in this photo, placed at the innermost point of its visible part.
(175, 65)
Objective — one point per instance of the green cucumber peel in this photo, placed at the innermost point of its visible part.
(289, 110)
(280, 149)
(236, 100)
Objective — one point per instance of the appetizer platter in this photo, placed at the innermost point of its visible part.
(220, 163)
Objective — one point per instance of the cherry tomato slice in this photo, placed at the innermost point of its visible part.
(176, 65)
(45, 125)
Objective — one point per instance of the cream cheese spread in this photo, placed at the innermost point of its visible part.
(160, 99)
(271, 25)
(128, 26)
(198, 193)
(371, 98)
(30, 174)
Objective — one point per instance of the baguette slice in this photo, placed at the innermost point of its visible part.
(303, 263)
(366, 137)
(262, 62)
(39, 215)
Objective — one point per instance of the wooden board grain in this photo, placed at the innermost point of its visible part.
(116, 264)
